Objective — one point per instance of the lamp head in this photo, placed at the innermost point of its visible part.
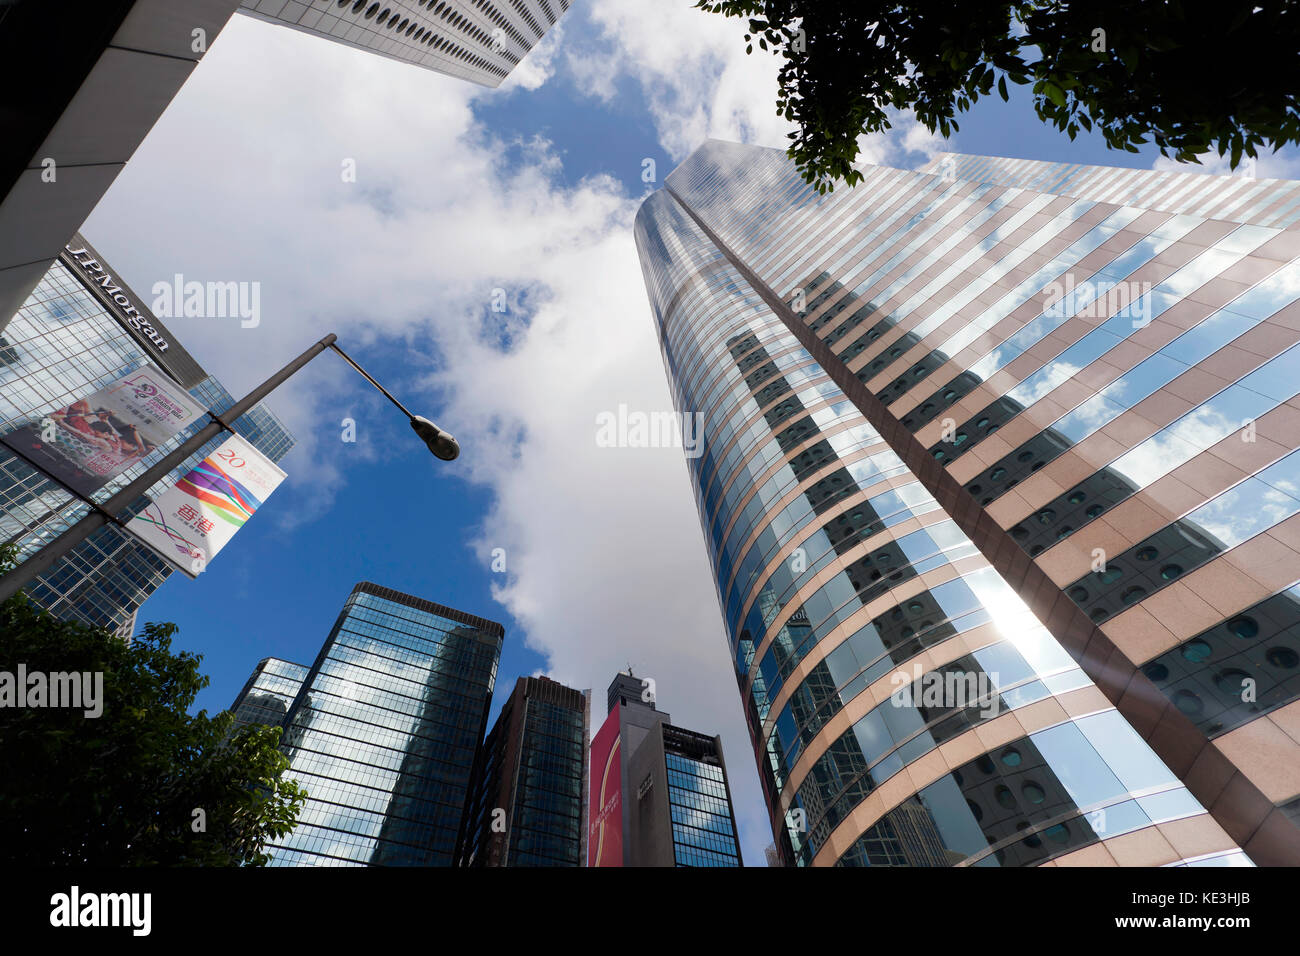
(439, 442)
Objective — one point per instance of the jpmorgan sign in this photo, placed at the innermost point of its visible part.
(102, 278)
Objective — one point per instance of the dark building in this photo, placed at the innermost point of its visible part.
(385, 732)
(659, 794)
(530, 809)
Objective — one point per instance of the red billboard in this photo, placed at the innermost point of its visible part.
(605, 839)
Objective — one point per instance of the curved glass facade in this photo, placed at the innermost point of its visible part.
(910, 704)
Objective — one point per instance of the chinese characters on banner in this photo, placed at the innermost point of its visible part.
(189, 523)
(98, 437)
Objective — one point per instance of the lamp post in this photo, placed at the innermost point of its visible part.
(439, 442)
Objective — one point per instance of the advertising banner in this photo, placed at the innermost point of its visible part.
(189, 523)
(605, 839)
(98, 437)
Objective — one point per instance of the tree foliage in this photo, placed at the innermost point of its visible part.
(122, 789)
(1191, 76)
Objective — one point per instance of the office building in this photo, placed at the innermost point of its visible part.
(530, 807)
(659, 793)
(1024, 432)
(82, 328)
(476, 40)
(385, 733)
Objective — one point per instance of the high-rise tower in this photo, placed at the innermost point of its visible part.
(659, 793)
(530, 807)
(385, 732)
(999, 487)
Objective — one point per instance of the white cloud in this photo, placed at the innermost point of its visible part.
(242, 179)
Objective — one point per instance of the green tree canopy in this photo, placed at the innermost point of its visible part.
(1192, 76)
(123, 788)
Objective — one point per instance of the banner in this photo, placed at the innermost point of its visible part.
(98, 437)
(189, 523)
(605, 838)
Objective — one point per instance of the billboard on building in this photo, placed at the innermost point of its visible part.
(189, 523)
(88, 443)
(605, 839)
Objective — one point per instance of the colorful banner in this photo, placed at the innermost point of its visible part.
(98, 437)
(605, 838)
(189, 523)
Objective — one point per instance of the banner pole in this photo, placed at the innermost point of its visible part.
(43, 560)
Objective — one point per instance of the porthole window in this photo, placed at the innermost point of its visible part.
(1243, 627)
(1046, 516)
(1033, 793)
(1011, 757)
(1077, 498)
(1189, 703)
(1147, 554)
(982, 424)
(1133, 595)
(1094, 511)
(985, 764)
(1025, 456)
(1099, 614)
(1020, 532)
(1079, 594)
(1111, 574)
(1196, 651)
(975, 810)
(371, 11)
(1232, 681)
(1005, 798)
(1171, 571)
(997, 474)
(1059, 833)
(1156, 672)
(1282, 657)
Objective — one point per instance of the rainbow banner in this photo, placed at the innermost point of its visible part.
(190, 522)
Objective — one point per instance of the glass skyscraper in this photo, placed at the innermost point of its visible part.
(1021, 432)
(385, 733)
(529, 809)
(68, 340)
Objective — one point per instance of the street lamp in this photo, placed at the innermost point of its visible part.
(442, 444)
(438, 441)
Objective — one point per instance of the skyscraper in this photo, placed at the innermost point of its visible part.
(476, 40)
(385, 733)
(1023, 428)
(82, 328)
(530, 806)
(659, 793)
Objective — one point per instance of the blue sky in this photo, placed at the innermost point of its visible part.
(531, 189)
